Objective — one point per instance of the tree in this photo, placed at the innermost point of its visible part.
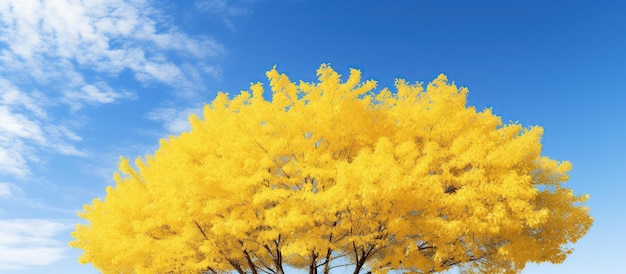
(331, 172)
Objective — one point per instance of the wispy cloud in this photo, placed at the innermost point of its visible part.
(69, 54)
(6, 190)
(94, 94)
(174, 120)
(225, 10)
(25, 126)
(105, 36)
(31, 242)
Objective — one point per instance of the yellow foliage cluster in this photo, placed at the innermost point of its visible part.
(410, 180)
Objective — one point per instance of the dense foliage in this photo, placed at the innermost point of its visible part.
(332, 172)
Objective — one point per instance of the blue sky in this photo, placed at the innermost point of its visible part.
(83, 82)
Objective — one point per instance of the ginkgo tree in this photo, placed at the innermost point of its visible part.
(333, 173)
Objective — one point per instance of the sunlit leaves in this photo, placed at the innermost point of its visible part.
(329, 172)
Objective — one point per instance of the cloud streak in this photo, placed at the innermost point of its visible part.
(6, 190)
(30, 242)
(225, 10)
(174, 120)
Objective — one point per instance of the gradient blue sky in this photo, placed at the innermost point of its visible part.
(83, 82)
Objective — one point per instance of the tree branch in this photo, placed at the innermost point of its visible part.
(253, 267)
(201, 230)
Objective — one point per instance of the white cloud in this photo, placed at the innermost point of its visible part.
(174, 120)
(11, 96)
(13, 135)
(24, 127)
(69, 53)
(18, 125)
(225, 10)
(5, 190)
(30, 242)
(94, 94)
(12, 162)
(103, 36)
(10, 191)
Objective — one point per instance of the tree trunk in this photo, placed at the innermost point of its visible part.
(313, 264)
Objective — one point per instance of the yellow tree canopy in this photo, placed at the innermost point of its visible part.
(333, 172)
